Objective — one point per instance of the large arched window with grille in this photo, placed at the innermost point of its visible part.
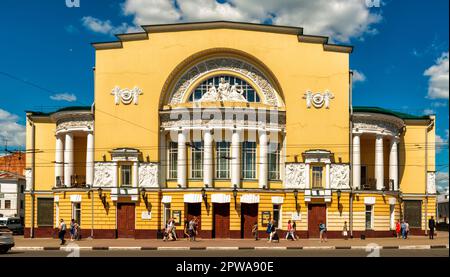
(224, 88)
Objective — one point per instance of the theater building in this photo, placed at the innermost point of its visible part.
(236, 124)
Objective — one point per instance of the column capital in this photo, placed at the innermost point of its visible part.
(395, 139)
(379, 136)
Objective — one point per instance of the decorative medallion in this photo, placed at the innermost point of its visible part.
(126, 95)
(318, 99)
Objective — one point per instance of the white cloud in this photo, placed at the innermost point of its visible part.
(428, 111)
(342, 20)
(439, 78)
(438, 104)
(10, 130)
(442, 181)
(358, 76)
(441, 142)
(69, 97)
(105, 26)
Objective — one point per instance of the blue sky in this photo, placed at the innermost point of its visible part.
(401, 49)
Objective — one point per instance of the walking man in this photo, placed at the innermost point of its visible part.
(323, 232)
(62, 231)
(432, 226)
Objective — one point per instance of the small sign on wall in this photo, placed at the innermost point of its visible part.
(146, 215)
(177, 217)
(265, 218)
(296, 216)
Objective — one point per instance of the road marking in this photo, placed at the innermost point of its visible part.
(124, 248)
(318, 247)
(65, 248)
(414, 247)
(28, 248)
(173, 248)
(221, 248)
(271, 248)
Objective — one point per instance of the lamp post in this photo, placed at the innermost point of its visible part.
(296, 198)
(235, 192)
(338, 193)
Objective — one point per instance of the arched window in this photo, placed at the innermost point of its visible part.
(242, 87)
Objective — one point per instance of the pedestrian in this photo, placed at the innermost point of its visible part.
(345, 231)
(77, 231)
(406, 229)
(255, 231)
(398, 229)
(294, 229)
(431, 226)
(290, 231)
(403, 229)
(72, 229)
(62, 231)
(166, 231)
(186, 229)
(192, 231)
(268, 229)
(272, 231)
(173, 229)
(323, 232)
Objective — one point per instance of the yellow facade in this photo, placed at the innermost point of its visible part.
(126, 137)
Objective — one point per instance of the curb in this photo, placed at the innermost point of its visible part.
(220, 248)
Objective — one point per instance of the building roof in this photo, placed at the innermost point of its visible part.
(362, 109)
(13, 163)
(208, 25)
(70, 108)
(10, 175)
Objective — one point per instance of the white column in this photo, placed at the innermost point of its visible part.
(235, 159)
(59, 159)
(379, 162)
(181, 165)
(393, 162)
(90, 159)
(327, 176)
(308, 185)
(263, 163)
(208, 158)
(68, 159)
(356, 161)
(135, 176)
(114, 174)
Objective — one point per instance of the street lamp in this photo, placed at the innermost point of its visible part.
(235, 193)
(338, 193)
(296, 197)
(204, 196)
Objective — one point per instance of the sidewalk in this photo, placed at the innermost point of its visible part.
(422, 242)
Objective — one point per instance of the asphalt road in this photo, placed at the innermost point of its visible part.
(233, 253)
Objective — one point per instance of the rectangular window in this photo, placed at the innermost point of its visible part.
(249, 160)
(45, 211)
(413, 213)
(317, 176)
(274, 161)
(76, 212)
(276, 214)
(197, 160)
(223, 160)
(7, 204)
(21, 204)
(166, 213)
(392, 216)
(173, 160)
(125, 174)
(369, 217)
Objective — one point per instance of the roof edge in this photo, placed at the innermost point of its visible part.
(208, 25)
